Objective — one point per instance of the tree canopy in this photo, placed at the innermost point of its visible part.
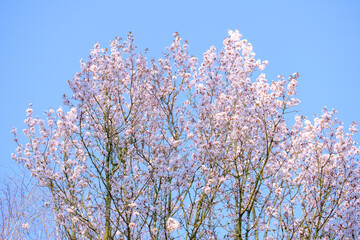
(178, 148)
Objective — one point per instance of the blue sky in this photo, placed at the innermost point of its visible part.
(41, 43)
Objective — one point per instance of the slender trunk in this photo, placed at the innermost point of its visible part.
(107, 202)
(107, 217)
(256, 225)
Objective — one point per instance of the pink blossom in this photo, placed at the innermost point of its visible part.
(172, 225)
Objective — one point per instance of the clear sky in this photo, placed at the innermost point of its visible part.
(41, 43)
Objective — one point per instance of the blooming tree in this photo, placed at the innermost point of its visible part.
(177, 148)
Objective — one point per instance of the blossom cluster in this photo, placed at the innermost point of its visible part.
(199, 149)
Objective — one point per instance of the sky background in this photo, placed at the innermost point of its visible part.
(42, 42)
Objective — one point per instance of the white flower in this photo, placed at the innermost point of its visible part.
(25, 226)
(14, 131)
(93, 68)
(177, 143)
(234, 35)
(207, 190)
(132, 205)
(190, 136)
(172, 225)
(132, 225)
(29, 111)
(70, 209)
